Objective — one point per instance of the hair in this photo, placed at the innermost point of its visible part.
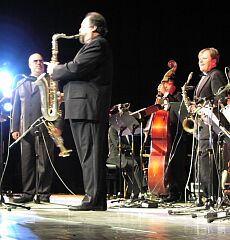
(213, 53)
(32, 55)
(96, 19)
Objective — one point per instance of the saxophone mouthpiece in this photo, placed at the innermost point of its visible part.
(76, 36)
(189, 77)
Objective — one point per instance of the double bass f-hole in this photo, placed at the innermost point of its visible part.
(160, 144)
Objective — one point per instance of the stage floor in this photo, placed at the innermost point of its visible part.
(122, 220)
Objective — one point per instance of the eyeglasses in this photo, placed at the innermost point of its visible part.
(38, 60)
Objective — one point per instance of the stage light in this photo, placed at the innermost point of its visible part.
(7, 106)
(7, 93)
(6, 79)
(6, 83)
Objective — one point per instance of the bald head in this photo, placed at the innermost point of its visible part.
(36, 64)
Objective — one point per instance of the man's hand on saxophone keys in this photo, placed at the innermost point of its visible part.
(60, 97)
(50, 67)
(192, 107)
(57, 132)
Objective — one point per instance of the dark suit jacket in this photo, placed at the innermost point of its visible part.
(209, 86)
(176, 97)
(27, 107)
(214, 80)
(88, 79)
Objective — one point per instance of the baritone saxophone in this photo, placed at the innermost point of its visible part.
(50, 104)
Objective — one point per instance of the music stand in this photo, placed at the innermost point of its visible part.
(125, 124)
(134, 130)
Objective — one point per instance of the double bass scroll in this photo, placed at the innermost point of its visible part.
(169, 74)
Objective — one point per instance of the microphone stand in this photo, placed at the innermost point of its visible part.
(209, 204)
(197, 171)
(211, 216)
(126, 124)
(120, 159)
(36, 125)
(31, 127)
(133, 165)
(142, 175)
(222, 180)
(198, 202)
(8, 205)
(221, 214)
(223, 136)
(117, 122)
(2, 202)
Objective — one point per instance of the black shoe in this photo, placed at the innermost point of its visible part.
(80, 208)
(87, 208)
(41, 198)
(23, 199)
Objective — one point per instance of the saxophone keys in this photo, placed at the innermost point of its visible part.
(65, 153)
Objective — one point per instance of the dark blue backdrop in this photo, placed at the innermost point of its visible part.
(143, 38)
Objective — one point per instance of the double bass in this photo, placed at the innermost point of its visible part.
(160, 143)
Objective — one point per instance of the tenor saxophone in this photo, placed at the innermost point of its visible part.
(50, 105)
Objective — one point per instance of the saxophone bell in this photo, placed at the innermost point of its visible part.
(189, 125)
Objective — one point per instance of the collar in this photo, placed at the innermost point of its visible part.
(203, 74)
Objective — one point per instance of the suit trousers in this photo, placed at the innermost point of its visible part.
(92, 148)
(35, 164)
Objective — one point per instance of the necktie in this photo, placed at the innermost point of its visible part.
(33, 86)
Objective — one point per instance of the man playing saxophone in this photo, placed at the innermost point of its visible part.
(87, 97)
(36, 168)
(211, 81)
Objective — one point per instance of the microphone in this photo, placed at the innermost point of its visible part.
(189, 88)
(29, 78)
